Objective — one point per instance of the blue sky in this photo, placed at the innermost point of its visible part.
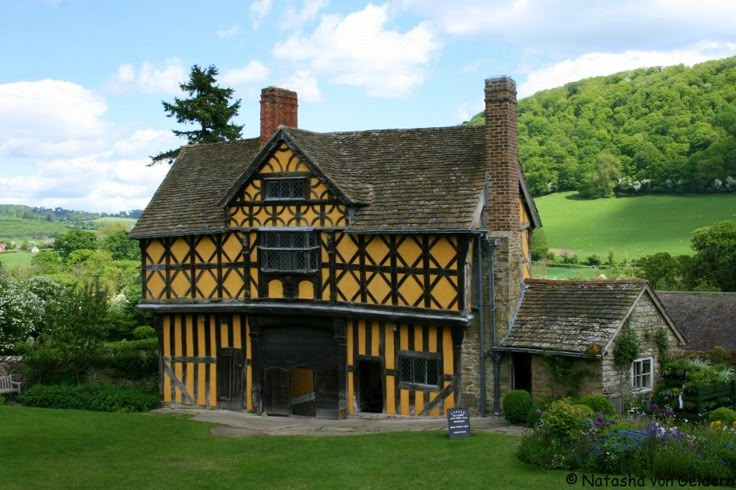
(82, 81)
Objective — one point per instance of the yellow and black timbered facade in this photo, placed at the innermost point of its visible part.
(325, 274)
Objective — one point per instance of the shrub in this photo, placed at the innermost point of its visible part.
(565, 422)
(723, 414)
(598, 403)
(516, 405)
(133, 360)
(593, 260)
(144, 332)
(101, 398)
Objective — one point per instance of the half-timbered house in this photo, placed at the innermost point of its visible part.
(327, 274)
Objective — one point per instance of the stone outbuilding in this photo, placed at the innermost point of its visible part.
(562, 338)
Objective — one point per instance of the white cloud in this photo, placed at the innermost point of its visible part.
(259, 9)
(591, 25)
(149, 78)
(48, 116)
(145, 142)
(294, 19)
(255, 71)
(305, 84)
(598, 64)
(228, 31)
(358, 49)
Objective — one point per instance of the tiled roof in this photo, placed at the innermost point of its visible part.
(571, 316)
(706, 319)
(399, 180)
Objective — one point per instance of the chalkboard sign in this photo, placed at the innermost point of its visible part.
(458, 423)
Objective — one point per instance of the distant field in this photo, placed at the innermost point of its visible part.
(630, 226)
(11, 260)
(581, 273)
(128, 222)
(12, 228)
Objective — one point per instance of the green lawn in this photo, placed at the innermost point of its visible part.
(11, 260)
(43, 448)
(630, 226)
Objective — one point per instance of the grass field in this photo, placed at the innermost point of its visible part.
(41, 448)
(109, 220)
(17, 229)
(11, 260)
(630, 226)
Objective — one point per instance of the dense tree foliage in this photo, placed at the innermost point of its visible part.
(671, 130)
(75, 240)
(711, 268)
(208, 106)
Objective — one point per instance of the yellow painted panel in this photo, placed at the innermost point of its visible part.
(231, 283)
(237, 341)
(432, 332)
(155, 282)
(224, 336)
(167, 388)
(389, 349)
(404, 402)
(418, 339)
(180, 284)
(179, 250)
(375, 338)
(166, 332)
(319, 190)
(361, 337)
(380, 288)
(200, 383)
(390, 397)
(326, 280)
(178, 371)
(177, 336)
(435, 412)
(410, 251)
(254, 289)
(351, 401)
(447, 352)
(232, 248)
(403, 337)
(348, 286)
(207, 284)
(190, 378)
(189, 328)
(275, 289)
(155, 250)
(411, 290)
(205, 251)
(443, 292)
(444, 253)
(418, 402)
(346, 248)
(378, 251)
(449, 402)
(306, 290)
(212, 366)
(349, 343)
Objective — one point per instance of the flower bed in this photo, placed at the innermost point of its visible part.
(645, 446)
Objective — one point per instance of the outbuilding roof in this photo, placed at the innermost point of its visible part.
(576, 318)
(707, 319)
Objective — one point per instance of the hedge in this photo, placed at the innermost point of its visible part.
(101, 398)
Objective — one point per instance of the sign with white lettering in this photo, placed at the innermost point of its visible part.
(458, 423)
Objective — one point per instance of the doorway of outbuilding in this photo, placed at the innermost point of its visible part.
(522, 371)
(370, 386)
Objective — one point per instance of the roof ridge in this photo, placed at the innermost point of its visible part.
(593, 282)
(386, 130)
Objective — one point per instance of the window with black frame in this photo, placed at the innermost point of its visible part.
(295, 250)
(419, 370)
(285, 188)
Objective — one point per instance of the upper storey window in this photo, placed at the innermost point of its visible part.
(289, 250)
(286, 188)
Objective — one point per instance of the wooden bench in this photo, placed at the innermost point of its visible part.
(7, 385)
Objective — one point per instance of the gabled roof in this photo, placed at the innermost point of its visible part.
(397, 180)
(575, 318)
(707, 319)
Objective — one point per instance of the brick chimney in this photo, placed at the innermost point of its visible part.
(502, 154)
(279, 107)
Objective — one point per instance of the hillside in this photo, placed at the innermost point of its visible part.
(630, 226)
(668, 130)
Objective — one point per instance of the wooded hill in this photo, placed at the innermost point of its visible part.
(669, 130)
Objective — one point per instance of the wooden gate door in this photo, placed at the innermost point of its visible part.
(230, 378)
(277, 391)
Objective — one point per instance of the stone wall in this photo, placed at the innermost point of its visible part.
(544, 384)
(645, 320)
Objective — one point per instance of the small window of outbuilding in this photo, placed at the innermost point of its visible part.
(642, 374)
(419, 370)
